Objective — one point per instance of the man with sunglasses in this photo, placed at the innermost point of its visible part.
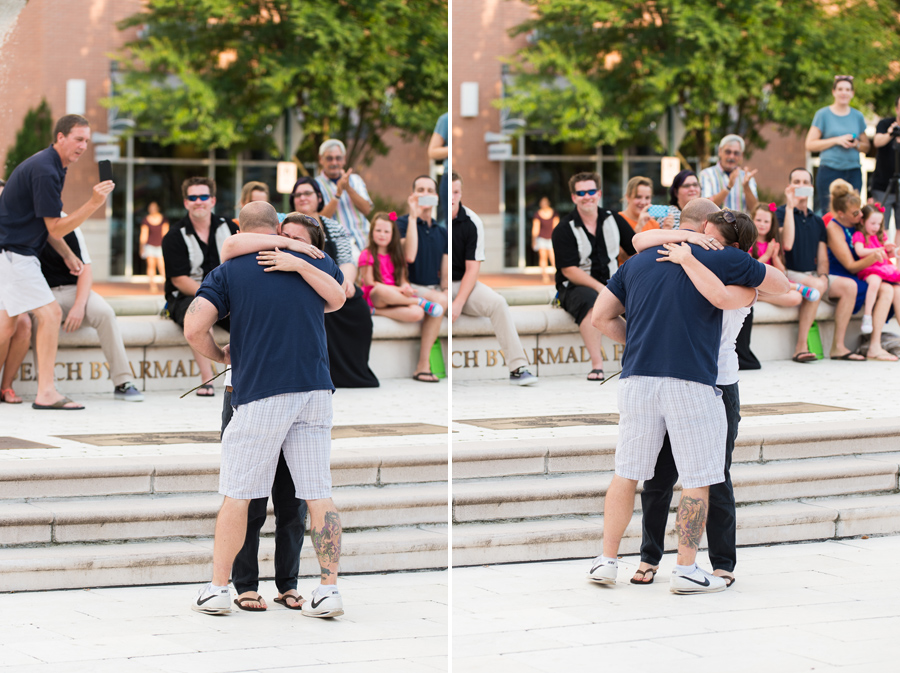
(727, 184)
(191, 250)
(586, 244)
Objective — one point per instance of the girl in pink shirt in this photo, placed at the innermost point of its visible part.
(870, 235)
(767, 250)
(385, 283)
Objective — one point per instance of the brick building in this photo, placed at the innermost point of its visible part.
(59, 50)
(506, 192)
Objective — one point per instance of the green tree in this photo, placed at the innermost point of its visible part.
(220, 73)
(35, 135)
(607, 71)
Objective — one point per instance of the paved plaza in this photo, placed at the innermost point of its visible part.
(393, 623)
(824, 607)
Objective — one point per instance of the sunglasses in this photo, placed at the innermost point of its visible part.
(202, 197)
(843, 78)
(298, 194)
(732, 220)
(586, 192)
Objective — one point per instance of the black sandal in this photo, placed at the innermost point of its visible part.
(596, 371)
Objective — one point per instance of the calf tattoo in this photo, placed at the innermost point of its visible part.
(690, 521)
(327, 543)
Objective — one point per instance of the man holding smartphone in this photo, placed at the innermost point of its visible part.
(425, 246)
(30, 216)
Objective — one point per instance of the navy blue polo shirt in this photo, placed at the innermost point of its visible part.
(809, 230)
(433, 245)
(672, 330)
(33, 192)
(278, 340)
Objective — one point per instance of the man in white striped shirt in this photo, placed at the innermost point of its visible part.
(346, 197)
(727, 184)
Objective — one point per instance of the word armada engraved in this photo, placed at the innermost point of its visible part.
(465, 359)
(146, 369)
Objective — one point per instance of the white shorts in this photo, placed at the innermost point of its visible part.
(151, 251)
(693, 415)
(23, 287)
(542, 244)
(299, 424)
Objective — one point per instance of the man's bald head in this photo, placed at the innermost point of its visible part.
(694, 215)
(258, 216)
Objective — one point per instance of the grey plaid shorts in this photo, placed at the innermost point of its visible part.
(298, 423)
(693, 415)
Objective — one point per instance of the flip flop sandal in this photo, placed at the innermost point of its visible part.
(7, 393)
(804, 357)
(596, 371)
(729, 580)
(643, 573)
(423, 377)
(59, 404)
(297, 601)
(240, 602)
(208, 391)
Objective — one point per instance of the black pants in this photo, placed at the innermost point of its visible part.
(721, 524)
(290, 526)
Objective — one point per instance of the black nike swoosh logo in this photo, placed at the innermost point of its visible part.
(315, 605)
(208, 598)
(704, 583)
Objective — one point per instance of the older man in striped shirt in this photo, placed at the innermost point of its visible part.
(727, 184)
(346, 197)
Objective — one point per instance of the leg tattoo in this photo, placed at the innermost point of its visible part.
(690, 521)
(327, 543)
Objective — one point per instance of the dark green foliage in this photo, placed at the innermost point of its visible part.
(219, 73)
(35, 135)
(605, 71)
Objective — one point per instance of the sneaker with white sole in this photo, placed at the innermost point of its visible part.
(128, 393)
(522, 377)
(326, 604)
(212, 602)
(697, 581)
(603, 572)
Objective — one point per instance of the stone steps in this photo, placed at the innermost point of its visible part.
(771, 523)
(583, 494)
(147, 475)
(176, 561)
(68, 523)
(562, 455)
(534, 499)
(137, 518)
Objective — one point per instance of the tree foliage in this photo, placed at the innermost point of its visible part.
(220, 73)
(606, 71)
(35, 135)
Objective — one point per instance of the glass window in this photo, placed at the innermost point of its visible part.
(613, 189)
(511, 216)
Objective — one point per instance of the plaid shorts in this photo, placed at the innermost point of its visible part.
(297, 423)
(693, 415)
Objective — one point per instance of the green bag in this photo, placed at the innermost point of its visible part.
(814, 341)
(436, 360)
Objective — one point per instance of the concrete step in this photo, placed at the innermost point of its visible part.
(165, 562)
(536, 497)
(84, 477)
(114, 519)
(770, 523)
(590, 453)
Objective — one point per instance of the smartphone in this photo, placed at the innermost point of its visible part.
(105, 170)
(428, 200)
(658, 212)
(800, 192)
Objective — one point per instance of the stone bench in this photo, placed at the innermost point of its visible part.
(554, 346)
(160, 358)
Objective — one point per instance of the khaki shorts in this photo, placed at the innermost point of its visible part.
(23, 287)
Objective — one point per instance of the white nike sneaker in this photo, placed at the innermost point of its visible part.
(212, 603)
(326, 604)
(603, 572)
(696, 582)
